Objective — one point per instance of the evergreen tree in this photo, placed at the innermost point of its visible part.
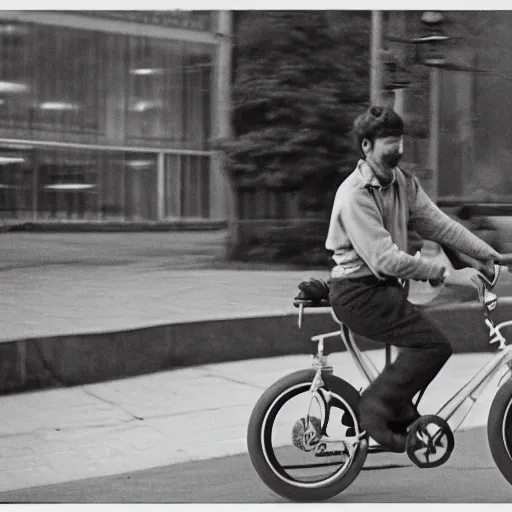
(300, 79)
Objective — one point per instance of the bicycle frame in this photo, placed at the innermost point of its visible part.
(462, 401)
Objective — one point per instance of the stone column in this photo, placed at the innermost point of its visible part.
(221, 197)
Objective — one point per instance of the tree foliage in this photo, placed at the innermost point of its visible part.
(300, 78)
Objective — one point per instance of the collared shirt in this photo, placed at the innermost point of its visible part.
(369, 226)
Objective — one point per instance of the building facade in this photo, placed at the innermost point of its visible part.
(458, 102)
(110, 116)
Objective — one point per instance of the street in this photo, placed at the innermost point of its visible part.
(179, 437)
(470, 476)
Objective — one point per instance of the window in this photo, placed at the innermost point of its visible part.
(66, 84)
(187, 186)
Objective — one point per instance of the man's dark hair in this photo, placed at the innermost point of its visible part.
(377, 122)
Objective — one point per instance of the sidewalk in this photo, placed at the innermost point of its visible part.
(88, 307)
(139, 302)
(59, 284)
(82, 307)
(109, 428)
(66, 284)
(69, 300)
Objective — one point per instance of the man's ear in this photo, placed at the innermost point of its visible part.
(366, 145)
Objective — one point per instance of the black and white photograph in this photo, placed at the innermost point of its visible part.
(255, 254)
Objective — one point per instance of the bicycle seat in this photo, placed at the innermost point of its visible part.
(324, 303)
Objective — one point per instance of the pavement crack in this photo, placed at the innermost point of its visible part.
(184, 413)
(65, 429)
(235, 381)
(110, 402)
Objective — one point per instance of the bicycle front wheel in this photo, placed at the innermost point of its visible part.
(499, 430)
(300, 446)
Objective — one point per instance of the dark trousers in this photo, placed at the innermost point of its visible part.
(379, 310)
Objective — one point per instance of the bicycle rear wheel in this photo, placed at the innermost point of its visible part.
(499, 430)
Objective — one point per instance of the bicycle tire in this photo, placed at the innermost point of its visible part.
(499, 430)
(256, 451)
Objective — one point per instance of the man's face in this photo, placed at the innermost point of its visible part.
(386, 151)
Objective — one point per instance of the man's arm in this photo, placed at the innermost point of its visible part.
(363, 224)
(433, 224)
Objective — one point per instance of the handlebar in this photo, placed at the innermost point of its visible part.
(505, 259)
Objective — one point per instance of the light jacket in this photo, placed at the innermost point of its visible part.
(369, 225)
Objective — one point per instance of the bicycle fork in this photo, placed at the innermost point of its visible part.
(320, 363)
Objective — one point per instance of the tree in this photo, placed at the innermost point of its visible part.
(300, 79)
(294, 97)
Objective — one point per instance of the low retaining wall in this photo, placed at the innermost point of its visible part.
(86, 358)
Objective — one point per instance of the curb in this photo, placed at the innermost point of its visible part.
(70, 360)
(110, 227)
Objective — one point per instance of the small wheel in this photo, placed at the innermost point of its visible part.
(430, 441)
(499, 430)
(324, 462)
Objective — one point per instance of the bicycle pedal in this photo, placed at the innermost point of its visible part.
(430, 441)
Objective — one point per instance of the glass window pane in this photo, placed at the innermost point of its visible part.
(65, 87)
(112, 200)
(90, 184)
(15, 74)
(153, 77)
(174, 86)
(172, 186)
(205, 187)
(67, 84)
(68, 184)
(92, 88)
(196, 100)
(140, 186)
(185, 185)
(16, 179)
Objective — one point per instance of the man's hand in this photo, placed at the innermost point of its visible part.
(440, 279)
(488, 269)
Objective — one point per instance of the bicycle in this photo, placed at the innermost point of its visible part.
(430, 439)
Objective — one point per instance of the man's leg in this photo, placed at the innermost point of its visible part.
(386, 406)
(382, 312)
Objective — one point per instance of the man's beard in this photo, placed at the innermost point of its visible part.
(391, 159)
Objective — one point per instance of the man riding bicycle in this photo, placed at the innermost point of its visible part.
(368, 233)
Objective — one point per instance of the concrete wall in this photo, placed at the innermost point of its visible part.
(80, 359)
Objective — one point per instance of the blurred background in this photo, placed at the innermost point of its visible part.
(240, 120)
(107, 115)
